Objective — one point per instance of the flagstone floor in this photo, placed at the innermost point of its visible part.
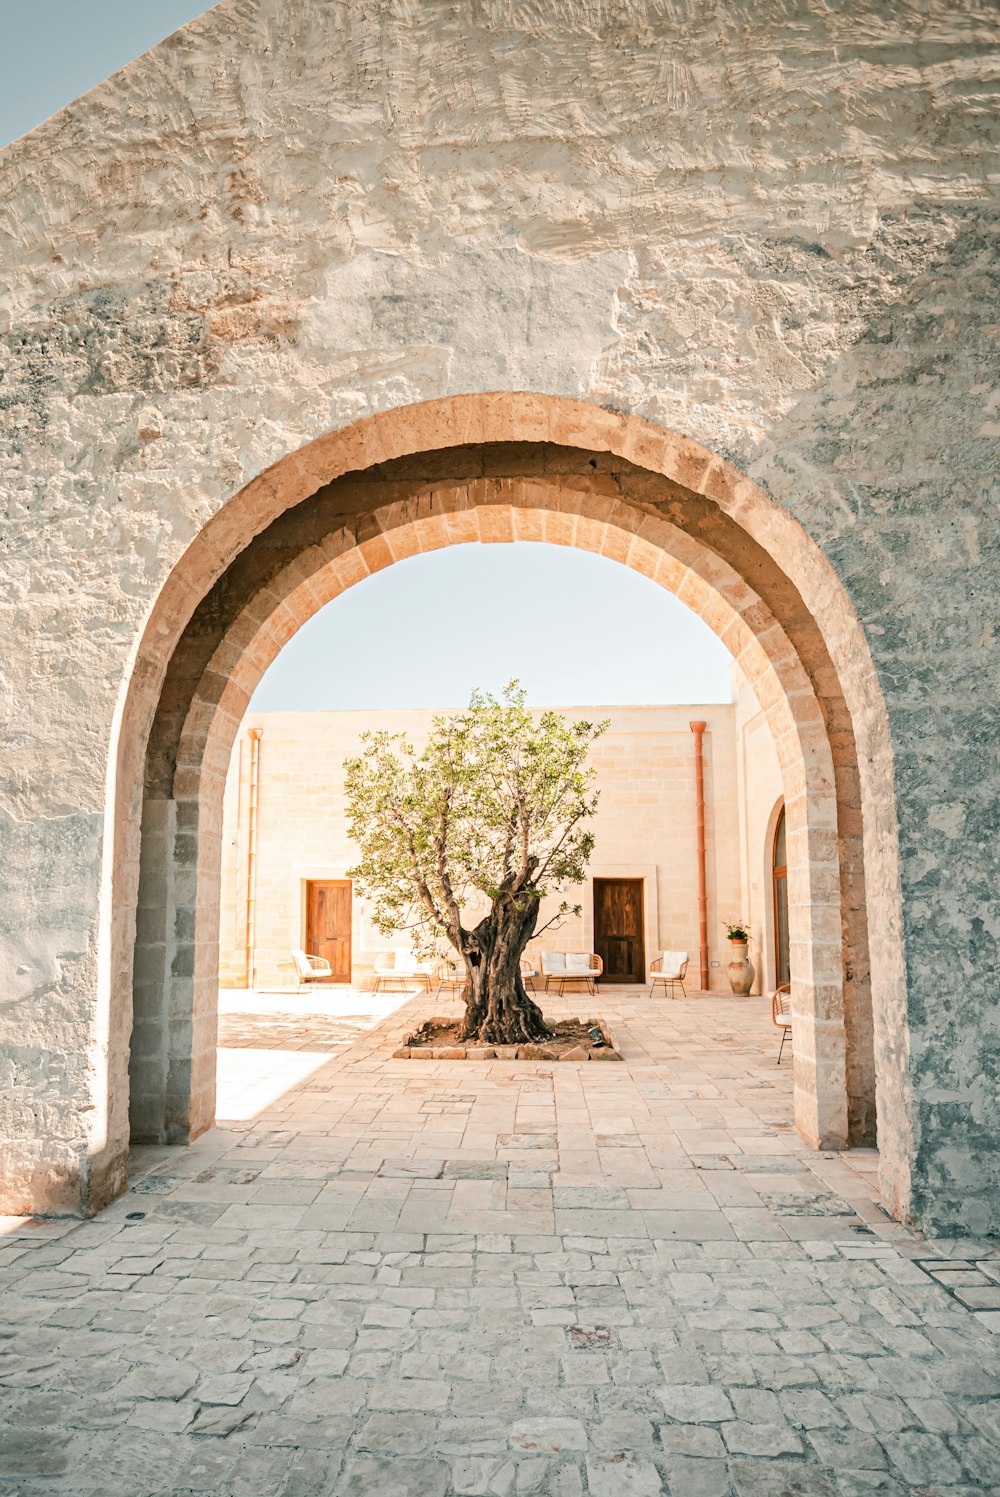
(383, 1278)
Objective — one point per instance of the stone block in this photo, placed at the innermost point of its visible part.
(622, 1475)
(375, 1476)
(695, 1403)
(548, 1436)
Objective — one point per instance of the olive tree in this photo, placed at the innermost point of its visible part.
(461, 841)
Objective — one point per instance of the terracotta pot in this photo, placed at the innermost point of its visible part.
(740, 969)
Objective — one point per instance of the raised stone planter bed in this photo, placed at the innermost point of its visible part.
(437, 1039)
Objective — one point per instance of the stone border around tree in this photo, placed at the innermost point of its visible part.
(413, 1049)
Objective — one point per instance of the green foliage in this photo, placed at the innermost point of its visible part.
(490, 816)
(737, 930)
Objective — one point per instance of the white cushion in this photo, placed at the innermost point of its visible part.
(554, 961)
(673, 961)
(578, 961)
(405, 961)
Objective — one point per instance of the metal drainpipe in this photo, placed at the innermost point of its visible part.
(254, 735)
(698, 730)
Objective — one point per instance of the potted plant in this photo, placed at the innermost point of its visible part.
(740, 970)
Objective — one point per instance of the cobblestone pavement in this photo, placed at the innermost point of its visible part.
(419, 1278)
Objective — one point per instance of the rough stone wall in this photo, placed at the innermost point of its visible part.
(765, 225)
(894, 460)
(644, 828)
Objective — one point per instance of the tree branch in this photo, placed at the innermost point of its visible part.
(556, 920)
(420, 882)
(544, 867)
(443, 875)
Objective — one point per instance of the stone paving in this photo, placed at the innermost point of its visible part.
(390, 1278)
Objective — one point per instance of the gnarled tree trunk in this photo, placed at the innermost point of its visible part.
(498, 1008)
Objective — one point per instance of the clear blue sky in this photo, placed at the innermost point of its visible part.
(574, 628)
(52, 51)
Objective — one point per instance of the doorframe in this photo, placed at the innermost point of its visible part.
(646, 872)
(310, 876)
(650, 898)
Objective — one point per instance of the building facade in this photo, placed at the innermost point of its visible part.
(285, 831)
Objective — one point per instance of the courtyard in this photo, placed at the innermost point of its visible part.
(419, 1279)
(359, 362)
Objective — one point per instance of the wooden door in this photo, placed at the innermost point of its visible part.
(618, 934)
(328, 924)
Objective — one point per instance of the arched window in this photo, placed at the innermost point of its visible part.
(779, 865)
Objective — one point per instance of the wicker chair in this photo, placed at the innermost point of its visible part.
(529, 971)
(449, 979)
(310, 968)
(669, 970)
(571, 966)
(781, 1013)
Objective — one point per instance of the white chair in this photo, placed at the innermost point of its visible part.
(401, 968)
(529, 971)
(669, 969)
(310, 968)
(571, 966)
(781, 1013)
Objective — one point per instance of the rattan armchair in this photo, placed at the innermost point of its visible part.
(310, 968)
(781, 1013)
(669, 970)
(529, 971)
(450, 978)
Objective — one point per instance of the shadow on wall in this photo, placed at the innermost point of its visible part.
(890, 466)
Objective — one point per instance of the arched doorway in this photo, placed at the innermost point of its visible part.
(492, 469)
(779, 902)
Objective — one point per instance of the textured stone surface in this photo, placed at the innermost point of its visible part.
(359, 1284)
(776, 238)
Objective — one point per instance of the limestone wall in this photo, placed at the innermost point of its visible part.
(769, 226)
(645, 828)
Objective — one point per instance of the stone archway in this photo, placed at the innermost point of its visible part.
(493, 468)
